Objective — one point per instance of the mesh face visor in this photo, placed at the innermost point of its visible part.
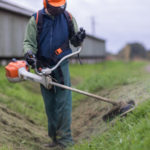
(55, 10)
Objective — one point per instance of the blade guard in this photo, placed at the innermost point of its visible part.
(12, 70)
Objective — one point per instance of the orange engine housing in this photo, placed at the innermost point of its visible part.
(13, 67)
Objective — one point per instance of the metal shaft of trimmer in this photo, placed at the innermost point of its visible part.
(84, 93)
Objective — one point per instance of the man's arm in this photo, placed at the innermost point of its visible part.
(79, 36)
(30, 40)
(76, 29)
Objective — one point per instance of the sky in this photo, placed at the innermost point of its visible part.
(117, 21)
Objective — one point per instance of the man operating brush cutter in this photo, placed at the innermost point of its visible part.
(47, 49)
(48, 36)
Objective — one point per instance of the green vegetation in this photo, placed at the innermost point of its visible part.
(95, 77)
(4, 147)
(131, 133)
(25, 97)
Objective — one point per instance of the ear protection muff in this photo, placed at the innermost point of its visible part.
(44, 3)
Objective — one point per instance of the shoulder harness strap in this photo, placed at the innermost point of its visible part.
(70, 23)
(39, 22)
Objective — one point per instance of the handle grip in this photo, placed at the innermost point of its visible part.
(48, 71)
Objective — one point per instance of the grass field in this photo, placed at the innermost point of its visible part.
(25, 99)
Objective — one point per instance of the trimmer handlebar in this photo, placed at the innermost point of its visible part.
(48, 71)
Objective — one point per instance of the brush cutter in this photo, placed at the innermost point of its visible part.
(17, 71)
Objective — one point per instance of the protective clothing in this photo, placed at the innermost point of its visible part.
(78, 38)
(58, 105)
(54, 51)
(30, 40)
(55, 7)
(53, 30)
(30, 58)
(58, 102)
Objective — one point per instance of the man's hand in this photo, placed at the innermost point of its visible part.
(78, 38)
(30, 58)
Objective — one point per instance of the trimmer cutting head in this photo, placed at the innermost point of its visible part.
(120, 110)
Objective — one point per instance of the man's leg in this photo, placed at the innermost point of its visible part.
(50, 107)
(64, 109)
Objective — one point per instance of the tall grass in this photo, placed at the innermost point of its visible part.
(105, 75)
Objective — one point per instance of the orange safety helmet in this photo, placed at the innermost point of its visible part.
(55, 3)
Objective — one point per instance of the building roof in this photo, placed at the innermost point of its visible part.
(7, 5)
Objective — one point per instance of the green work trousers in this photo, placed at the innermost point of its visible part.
(58, 106)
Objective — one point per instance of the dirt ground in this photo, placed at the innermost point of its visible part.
(87, 118)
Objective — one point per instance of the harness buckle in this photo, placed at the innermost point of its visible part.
(58, 51)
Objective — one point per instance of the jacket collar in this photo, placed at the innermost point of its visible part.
(48, 15)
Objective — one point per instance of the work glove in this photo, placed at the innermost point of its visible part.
(78, 38)
(30, 58)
